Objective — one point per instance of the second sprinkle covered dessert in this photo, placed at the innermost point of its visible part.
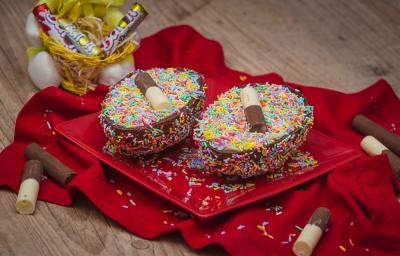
(147, 112)
(252, 130)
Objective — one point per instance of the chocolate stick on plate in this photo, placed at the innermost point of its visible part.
(58, 171)
(366, 126)
(252, 109)
(149, 88)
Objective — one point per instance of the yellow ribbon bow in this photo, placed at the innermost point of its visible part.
(73, 9)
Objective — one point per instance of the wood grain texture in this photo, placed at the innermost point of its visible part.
(337, 44)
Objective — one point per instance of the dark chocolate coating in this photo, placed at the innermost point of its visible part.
(255, 117)
(144, 81)
(394, 161)
(320, 218)
(164, 124)
(58, 171)
(33, 169)
(222, 154)
(192, 109)
(366, 126)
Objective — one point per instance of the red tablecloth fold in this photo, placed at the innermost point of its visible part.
(365, 212)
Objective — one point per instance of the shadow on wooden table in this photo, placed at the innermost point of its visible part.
(78, 230)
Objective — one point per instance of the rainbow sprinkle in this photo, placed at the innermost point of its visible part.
(227, 145)
(262, 228)
(133, 127)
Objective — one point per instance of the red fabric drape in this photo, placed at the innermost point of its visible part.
(360, 194)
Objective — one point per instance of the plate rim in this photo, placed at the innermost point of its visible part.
(103, 157)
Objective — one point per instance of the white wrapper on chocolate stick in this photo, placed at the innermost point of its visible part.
(312, 232)
(158, 100)
(252, 109)
(29, 188)
(372, 146)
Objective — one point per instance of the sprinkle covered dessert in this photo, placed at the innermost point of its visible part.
(252, 130)
(147, 112)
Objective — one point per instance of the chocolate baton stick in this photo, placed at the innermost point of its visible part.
(366, 126)
(29, 188)
(252, 109)
(58, 171)
(151, 91)
(312, 232)
(374, 147)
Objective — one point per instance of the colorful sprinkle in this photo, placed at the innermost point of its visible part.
(133, 127)
(277, 209)
(48, 125)
(132, 202)
(229, 188)
(227, 145)
(298, 228)
(241, 227)
(289, 240)
(262, 228)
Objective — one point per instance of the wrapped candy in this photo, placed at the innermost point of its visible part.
(50, 25)
(125, 27)
(80, 40)
(60, 30)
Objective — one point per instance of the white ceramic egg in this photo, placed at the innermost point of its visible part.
(111, 74)
(32, 31)
(42, 70)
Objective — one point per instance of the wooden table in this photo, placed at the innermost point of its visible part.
(338, 44)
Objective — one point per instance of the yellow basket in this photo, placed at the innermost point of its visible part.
(81, 72)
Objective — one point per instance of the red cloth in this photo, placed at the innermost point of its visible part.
(365, 212)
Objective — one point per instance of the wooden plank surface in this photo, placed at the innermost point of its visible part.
(337, 44)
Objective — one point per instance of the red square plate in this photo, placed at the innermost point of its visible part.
(204, 195)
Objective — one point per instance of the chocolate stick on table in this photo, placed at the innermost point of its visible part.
(58, 171)
(366, 126)
(29, 188)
